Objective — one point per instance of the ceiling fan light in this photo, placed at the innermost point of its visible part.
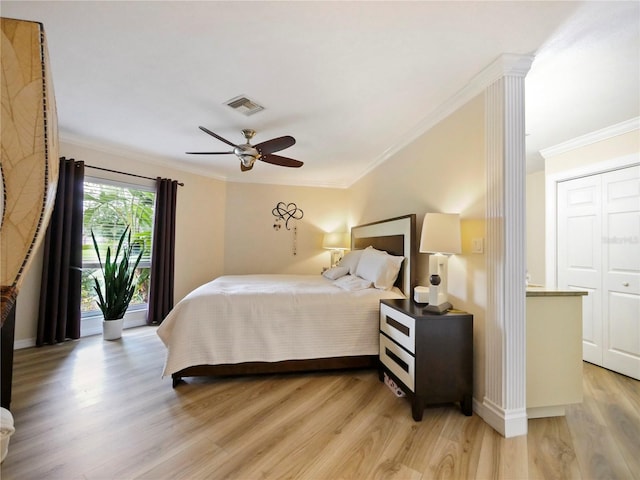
(247, 160)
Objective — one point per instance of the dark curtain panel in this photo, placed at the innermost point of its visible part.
(163, 253)
(59, 314)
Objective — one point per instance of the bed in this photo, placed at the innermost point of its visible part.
(256, 324)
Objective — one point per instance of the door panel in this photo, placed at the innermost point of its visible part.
(579, 254)
(621, 267)
(591, 330)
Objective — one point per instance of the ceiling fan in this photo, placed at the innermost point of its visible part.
(248, 154)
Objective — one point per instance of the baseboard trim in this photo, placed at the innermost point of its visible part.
(24, 343)
(508, 423)
(88, 330)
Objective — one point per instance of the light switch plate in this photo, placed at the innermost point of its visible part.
(477, 245)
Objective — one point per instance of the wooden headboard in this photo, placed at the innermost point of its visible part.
(397, 236)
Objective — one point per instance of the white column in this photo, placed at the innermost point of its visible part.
(504, 404)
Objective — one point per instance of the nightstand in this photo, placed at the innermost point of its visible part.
(429, 356)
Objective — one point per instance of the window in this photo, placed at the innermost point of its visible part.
(109, 207)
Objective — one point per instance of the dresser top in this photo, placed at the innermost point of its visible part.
(414, 309)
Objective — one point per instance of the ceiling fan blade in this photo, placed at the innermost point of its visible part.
(208, 153)
(275, 144)
(282, 161)
(215, 135)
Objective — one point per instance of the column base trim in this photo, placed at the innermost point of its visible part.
(508, 423)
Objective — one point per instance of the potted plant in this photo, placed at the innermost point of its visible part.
(119, 284)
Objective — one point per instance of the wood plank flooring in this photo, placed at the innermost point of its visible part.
(93, 409)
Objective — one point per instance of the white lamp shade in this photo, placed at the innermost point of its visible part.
(440, 233)
(336, 240)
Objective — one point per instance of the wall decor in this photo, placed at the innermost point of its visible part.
(285, 212)
(295, 240)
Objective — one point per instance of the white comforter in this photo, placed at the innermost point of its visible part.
(269, 318)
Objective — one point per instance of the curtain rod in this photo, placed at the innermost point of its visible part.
(125, 173)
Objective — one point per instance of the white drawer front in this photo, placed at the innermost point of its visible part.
(401, 363)
(398, 326)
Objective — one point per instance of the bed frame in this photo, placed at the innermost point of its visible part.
(396, 236)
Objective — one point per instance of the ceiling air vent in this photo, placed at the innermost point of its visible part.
(244, 105)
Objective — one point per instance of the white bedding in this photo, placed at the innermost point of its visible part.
(270, 318)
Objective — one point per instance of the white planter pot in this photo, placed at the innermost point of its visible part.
(6, 430)
(112, 329)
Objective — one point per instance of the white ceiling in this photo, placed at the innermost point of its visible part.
(349, 80)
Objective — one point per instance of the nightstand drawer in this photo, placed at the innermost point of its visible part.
(401, 363)
(398, 326)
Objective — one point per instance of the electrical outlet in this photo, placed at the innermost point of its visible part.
(477, 245)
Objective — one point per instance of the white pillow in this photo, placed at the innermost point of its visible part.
(350, 260)
(379, 267)
(334, 273)
(351, 283)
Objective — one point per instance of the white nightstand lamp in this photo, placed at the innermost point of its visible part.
(337, 242)
(440, 237)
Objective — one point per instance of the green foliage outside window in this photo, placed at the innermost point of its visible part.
(108, 209)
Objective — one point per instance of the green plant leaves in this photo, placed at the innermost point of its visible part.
(119, 277)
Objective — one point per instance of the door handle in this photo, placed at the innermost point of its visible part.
(625, 284)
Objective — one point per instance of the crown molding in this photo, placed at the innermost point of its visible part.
(126, 153)
(507, 64)
(593, 137)
(122, 152)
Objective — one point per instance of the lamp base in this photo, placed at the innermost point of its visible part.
(336, 256)
(438, 309)
(437, 296)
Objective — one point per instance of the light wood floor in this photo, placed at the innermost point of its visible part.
(94, 409)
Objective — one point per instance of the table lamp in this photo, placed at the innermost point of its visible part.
(440, 237)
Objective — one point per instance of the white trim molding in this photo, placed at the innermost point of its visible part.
(593, 137)
(504, 404)
(509, 424)
(505, 64)
(124, 152)
(24, 343)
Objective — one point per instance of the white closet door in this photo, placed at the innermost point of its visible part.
(579, 256)
(599, 251)
(621, 267)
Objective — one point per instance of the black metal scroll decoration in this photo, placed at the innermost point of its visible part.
(286, 212)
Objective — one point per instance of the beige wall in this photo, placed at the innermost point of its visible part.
(594, 153)
(199, 230)
(441, 171)
(535, 237)
(254, 246)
